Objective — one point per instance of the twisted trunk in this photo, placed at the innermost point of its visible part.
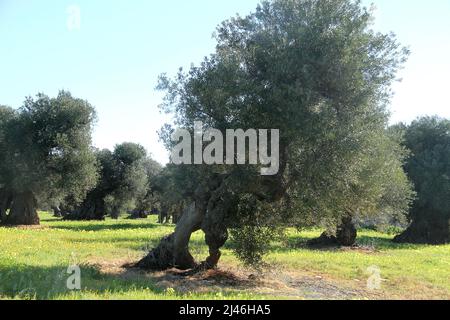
(177, 214)
(214, 201)
(163, 216)
(57, 212)
(91, 210)
(5, 204)
(430, 229)
(23, 210)
(215, 227)
(345, 235)
(173, 250)
(139, 214)
(115, 213)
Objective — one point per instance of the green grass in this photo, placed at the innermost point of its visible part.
(409, 271)
(33, 262)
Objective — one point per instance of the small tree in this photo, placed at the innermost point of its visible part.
(46, 154)
(428, 167)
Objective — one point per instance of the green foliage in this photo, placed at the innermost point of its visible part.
(315, 70)
(429, 165)
(255, 227)
(46, 147)
(124, 180)
(147, 201)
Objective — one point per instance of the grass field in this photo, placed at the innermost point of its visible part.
(34, 262)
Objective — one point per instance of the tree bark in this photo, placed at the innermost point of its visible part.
(139, 214)
(346, 233)
(212, 205)
(5, 204)
(163, 216)
(345, 236)
(115, 214)
(432, 229)
(215, 227)
(23, 210)
(57, 213)
(177, 214)
(90, 210)
(173, 250)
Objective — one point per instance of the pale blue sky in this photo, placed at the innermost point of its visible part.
(114, 58)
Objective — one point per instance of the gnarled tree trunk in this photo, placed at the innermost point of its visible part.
(176, 215)
(57, 212)
(345, 236)
(173, 250)
(213, 203)
(431, 229)
(5, 204)
(163, 216)
(91, 210)
(23, 210)
(115, 213)
(139, 214)
(346, 232)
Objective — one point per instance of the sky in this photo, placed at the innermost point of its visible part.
(111, 53)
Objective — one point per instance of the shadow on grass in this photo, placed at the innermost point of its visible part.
(99, 226)
(138, 243)
(47, 283)
(370, 243)
(50, 283)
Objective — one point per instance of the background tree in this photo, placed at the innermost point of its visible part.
(428, 167)
(46, 154)
(173, 188)
(382, 189)
(147, 202)
(123, 180)
(312, 69)
(6, 114)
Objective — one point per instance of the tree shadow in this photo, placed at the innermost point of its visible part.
(363, 243)
(98, 226)
(47, 283)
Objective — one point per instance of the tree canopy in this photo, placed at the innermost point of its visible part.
(45, 153)
(124, 181)
(428, 167)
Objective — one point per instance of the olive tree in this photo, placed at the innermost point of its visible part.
(381, 189)
(6, 115)
(45, 153)
(314, 70)
(147, 201)
(122, 181)
(428, 167)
